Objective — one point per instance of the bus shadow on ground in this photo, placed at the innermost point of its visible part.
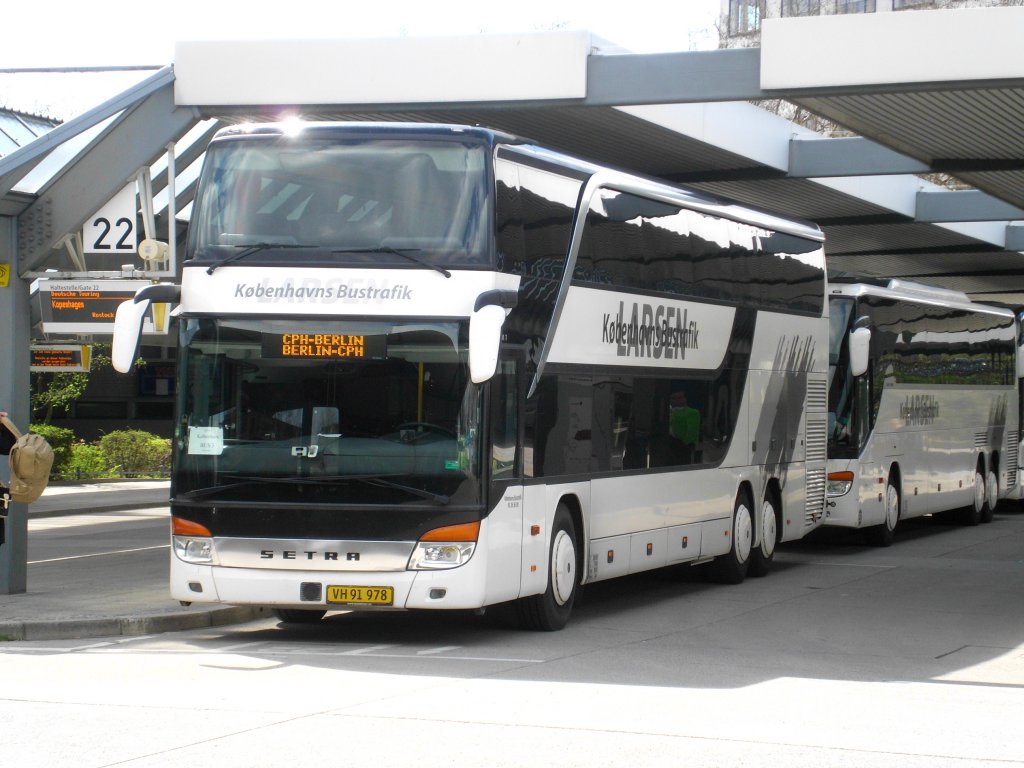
(832, 608)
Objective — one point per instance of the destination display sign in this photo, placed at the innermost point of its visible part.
(89, 306)
(341, 346)
(73, 358)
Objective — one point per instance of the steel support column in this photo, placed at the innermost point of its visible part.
(14, 398)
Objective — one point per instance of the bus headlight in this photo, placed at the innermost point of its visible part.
(447, 547)
(839, 483)
(192, 542)
(194, 550)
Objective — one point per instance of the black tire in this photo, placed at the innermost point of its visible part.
(883, 535)
(550, 611)
(731, 568)
(763, 554)
(299, 615)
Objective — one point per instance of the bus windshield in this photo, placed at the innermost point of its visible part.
(339, 412)
(841, 392)
(310, 201)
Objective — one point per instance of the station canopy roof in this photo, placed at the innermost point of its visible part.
(932, 92)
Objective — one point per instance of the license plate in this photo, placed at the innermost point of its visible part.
(360, 595)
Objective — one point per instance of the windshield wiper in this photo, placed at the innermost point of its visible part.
(248, 250)
(397, 252)
(200, 492)
(437, 498)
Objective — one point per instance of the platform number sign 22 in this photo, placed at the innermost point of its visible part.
(112, 229)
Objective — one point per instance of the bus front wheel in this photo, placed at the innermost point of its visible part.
(883, 535)
(550, 611)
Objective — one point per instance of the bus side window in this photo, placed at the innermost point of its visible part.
(504, 422)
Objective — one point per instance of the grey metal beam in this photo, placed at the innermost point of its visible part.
(13, 203)
(16, 174)
(966, 205)
(728, 74)
(15, 166)
(822, 158)
(135, 139)
(1015, 238)
(14, 398)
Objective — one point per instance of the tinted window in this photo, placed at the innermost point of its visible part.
(343, 201)
(585, 424)
(534, 219)
(931, 344)
(637, 243)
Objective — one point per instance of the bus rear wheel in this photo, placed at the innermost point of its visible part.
(298, 615)
(550, 611)
(991, 496)
(731, 568)
(762, 555)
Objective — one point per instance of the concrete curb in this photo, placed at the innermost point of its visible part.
(128, 626)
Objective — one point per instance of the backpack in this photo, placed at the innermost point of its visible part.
(30, 460)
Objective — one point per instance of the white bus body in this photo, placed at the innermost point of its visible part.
(587, 374)
(931, 424)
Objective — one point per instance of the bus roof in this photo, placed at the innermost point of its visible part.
(915, 293)
(659, 188)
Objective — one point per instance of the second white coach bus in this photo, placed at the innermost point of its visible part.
(430, 367)
(923, 406)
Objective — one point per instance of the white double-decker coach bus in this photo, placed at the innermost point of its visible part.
(430, 367)
(923, 406)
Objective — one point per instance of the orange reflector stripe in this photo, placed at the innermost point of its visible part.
(182, 527)
(845, 476)
(461, 532)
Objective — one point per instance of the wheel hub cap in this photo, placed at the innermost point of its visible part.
(563, 568)
(743, 532)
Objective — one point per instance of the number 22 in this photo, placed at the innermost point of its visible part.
(104, 224)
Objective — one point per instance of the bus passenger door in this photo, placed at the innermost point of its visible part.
(504, 477)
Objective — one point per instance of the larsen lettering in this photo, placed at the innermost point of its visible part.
(919, 409)
(655, 331)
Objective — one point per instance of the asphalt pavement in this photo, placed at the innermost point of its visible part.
(102, 593)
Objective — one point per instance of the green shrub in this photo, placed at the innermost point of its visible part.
(134, 453)
(87, 462)
(61, 440)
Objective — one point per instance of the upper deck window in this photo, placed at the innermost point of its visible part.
(371, 202)
(630, 242)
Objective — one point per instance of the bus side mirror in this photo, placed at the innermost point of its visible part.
(127, 331)
(128, 322)
(484, 341)
(860, 345)
(1020, 362)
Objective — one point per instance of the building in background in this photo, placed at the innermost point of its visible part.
(740, 20)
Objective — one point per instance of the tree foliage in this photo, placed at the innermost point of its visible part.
(57, 391)
(135, 453)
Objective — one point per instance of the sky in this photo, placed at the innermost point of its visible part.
(143, 32)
